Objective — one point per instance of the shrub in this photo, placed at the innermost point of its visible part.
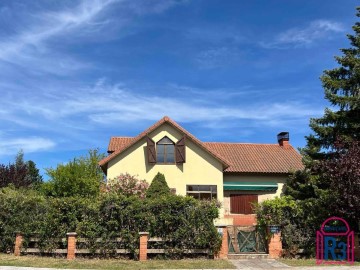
(183, 222)
(286, 212)
(279, 211)
(127, 185)
(79, 177)
(21, 210)
(158, 187)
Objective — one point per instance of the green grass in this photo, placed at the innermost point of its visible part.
(113, 264)
(306, 262)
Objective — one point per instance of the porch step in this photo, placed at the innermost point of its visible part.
(247, 256)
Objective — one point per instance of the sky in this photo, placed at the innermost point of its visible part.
(74, 73)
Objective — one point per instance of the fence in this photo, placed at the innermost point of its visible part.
(146, 246)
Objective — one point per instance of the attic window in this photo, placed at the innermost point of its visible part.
(165, 151)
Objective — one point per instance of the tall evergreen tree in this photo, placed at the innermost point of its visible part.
(158, 187)
(33, 174)
(312, 188)
(342, 90)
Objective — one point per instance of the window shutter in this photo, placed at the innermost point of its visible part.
(180, 151)
(151, 153)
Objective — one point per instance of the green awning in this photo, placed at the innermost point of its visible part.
(268, 186)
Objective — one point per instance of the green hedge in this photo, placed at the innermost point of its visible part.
(183, 222)
(289, 214)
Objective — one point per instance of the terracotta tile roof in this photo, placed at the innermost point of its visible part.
(123, 146)
(236, 157)
(258, 158)
(118, 142)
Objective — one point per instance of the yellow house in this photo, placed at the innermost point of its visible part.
(236, 174)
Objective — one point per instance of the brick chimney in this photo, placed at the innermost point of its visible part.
(283, 139)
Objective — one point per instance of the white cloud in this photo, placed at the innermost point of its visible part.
(105, 104)
(30, 43)
(29, 145)
(302, 37)
(39, 42)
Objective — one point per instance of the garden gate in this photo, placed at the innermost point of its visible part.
(250, 239)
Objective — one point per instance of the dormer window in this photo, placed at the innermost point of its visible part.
(165, 151)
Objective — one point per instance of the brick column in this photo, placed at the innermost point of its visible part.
(224, 250)
(18, 244)
(275, 244)
(356, 247)
(71, 245)
(144, 236)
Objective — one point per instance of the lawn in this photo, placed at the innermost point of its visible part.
(113, 264)
(306, 262)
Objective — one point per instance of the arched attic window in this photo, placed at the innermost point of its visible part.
(165, 151)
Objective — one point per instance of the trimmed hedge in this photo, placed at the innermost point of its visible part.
(183, 222)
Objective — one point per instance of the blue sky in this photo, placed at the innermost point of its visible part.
(74, 73)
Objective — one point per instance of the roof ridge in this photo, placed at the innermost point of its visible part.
(244, 143)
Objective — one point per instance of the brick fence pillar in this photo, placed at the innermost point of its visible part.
(356, 247)
(275, 244)
(18, 244)
(71, 245)
(144, 236)
(224, 250)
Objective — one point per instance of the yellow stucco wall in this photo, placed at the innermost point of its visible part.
(200, 168)
(263, 195)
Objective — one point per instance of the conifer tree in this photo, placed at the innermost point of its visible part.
(312, 188)
(33, 174)
(158, 187)
(342, 90)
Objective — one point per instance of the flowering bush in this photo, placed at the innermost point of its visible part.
(127, 185)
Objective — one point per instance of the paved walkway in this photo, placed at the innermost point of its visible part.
(259, 264)
(252, 264)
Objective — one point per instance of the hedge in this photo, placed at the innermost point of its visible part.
(183, 222)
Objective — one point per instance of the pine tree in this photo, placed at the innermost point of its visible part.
(313, 190)
(342, 90)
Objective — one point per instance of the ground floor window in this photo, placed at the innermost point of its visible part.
(202, 192)
(242, 203)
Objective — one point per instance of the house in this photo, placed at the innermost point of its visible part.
(236, 174)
